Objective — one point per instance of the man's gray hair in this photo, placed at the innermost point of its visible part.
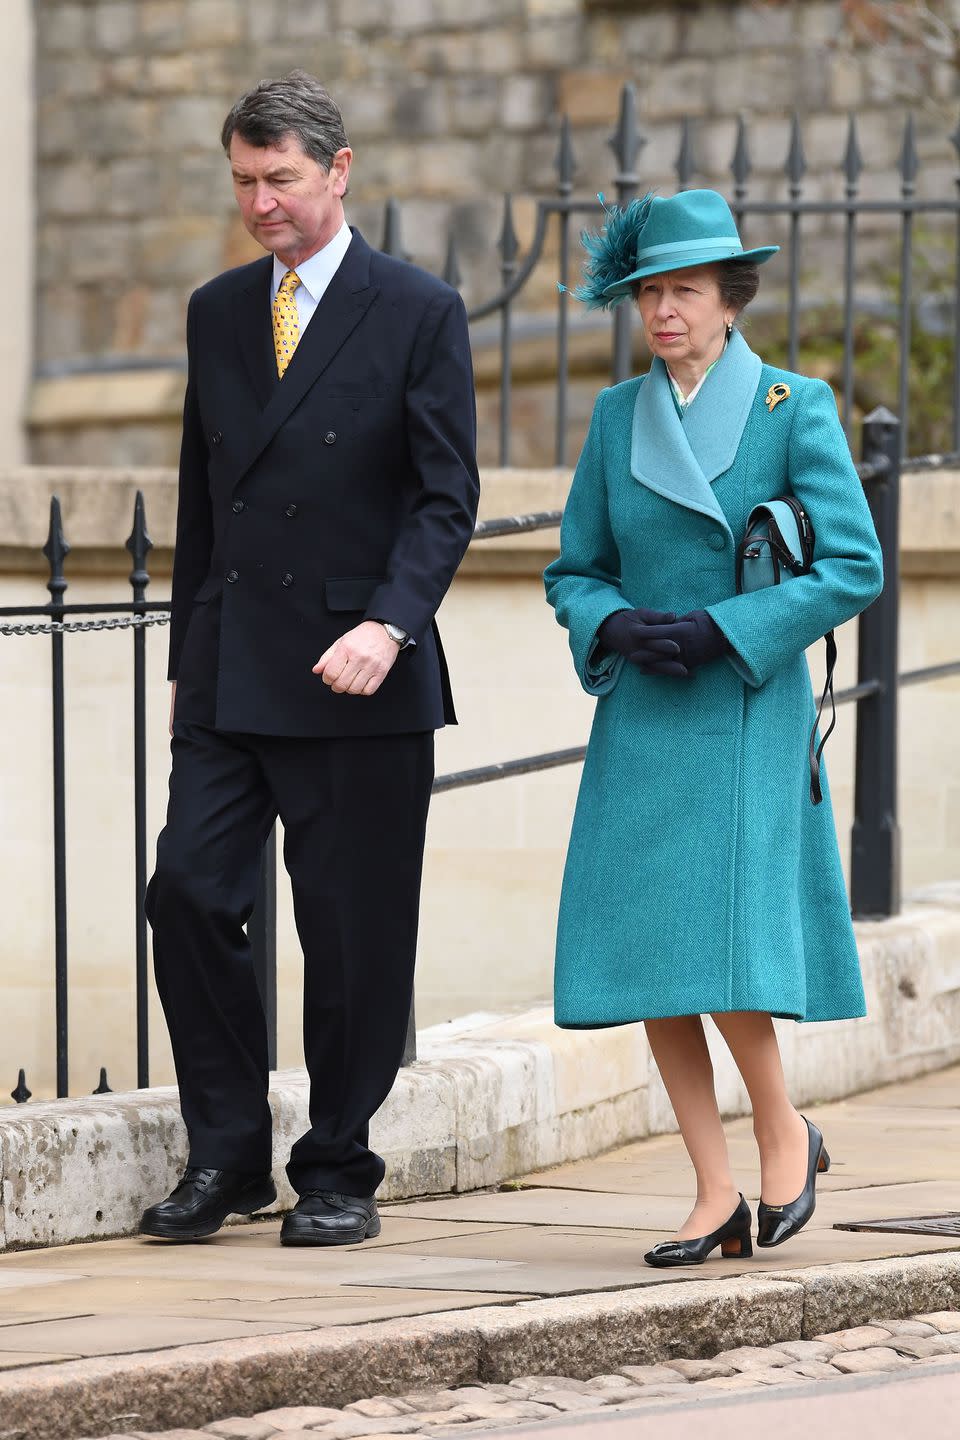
(297, 105)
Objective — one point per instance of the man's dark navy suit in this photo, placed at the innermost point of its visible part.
(345, 491)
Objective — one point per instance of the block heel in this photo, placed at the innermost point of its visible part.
(737, 1247)
(733, 1239)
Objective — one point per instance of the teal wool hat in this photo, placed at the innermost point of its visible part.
(653, 235)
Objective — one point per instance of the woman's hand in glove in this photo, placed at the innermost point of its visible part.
(698, 640)
(623, 630)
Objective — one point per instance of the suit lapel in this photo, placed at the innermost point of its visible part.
(715, 422)
(660, 453)
(342, 306)
(680, 459)
(254, 332)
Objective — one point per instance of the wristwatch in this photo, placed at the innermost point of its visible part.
(400, 637)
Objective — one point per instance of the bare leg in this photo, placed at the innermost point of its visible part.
(779, 1129)
(680, 1049)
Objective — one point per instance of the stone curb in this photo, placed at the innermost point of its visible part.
(491, 1097)
(577, 1336)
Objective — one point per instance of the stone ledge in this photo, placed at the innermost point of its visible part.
(98, 511)
(578, 1336)
(491, 1097)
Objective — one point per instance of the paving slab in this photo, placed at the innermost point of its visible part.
(544, 1278)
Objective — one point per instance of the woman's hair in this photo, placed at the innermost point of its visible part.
(739, 281)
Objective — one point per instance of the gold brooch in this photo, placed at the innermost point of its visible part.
(775, 394)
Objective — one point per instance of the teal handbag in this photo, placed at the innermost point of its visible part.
(778, 543)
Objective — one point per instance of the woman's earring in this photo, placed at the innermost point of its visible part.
(729, 328)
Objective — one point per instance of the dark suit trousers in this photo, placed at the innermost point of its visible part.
(354, 815)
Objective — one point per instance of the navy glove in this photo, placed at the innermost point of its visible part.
(622, 630)
(645, 638)
(698, 640)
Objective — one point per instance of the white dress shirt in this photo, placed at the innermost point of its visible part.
(315, 274)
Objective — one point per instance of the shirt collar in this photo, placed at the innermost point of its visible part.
(316, 272)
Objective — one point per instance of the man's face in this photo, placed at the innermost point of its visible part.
(288, 202)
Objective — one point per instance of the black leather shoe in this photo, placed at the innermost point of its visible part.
(203, 1200)
(776, 1223)
(733, 1239)
(325, 1217)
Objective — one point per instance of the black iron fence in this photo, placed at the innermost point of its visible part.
(846, 283)
(875, 866)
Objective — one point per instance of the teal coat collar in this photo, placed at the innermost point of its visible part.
(680, 459)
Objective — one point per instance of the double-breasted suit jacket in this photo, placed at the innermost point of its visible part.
(346, 491)
(694, 808)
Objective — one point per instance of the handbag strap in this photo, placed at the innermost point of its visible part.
(816, 751)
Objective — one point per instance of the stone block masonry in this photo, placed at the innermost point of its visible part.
(455, 103)
(489, 1099)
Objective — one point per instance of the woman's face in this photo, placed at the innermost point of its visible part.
(683, 315)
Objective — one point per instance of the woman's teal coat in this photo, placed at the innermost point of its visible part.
(700, 877)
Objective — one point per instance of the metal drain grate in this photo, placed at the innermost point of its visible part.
(948, 1224)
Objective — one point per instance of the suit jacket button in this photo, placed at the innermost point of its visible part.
(715, 541)
(286, 579)
(330, 438)
(291, 510)
(238, 507)
(233, 576)
(216, 437)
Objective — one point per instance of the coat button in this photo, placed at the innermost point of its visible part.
(238, 507)
(232, 577)
(291, 510)
(286, 579)
(216, 437)
(715, 541)
(330, 438)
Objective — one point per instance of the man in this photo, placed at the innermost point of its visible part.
(328, 490)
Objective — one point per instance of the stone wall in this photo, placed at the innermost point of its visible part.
(448, 107)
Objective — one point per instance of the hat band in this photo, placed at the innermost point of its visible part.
(680, 247)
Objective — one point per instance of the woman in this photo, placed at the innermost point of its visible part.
(700, 879)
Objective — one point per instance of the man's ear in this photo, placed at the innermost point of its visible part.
(340, 170)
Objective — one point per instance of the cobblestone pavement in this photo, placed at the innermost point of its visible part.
(882, 1347)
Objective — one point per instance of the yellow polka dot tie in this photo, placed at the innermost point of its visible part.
(286, 321)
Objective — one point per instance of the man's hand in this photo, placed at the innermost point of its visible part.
(173, 703)
(359, 661)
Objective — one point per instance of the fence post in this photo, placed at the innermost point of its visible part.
(875, 862)
(262, 931)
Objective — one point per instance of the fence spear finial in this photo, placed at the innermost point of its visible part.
(21, 1094)
(392, 243)
(508, 243)
(796, 160)
(909, 159)
(565, 162)
(627, 141)
(56, 550)
(852, 158)
(139, 544)
(451, 265)
(741, 166)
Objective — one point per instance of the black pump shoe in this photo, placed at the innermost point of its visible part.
(776, 1223)
(203, 1200)
(733, 1239)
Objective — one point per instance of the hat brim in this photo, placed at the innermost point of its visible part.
(686, 261)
